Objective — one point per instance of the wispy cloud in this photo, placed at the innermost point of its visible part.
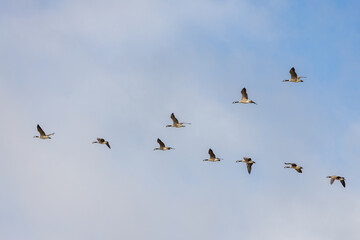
(119, 69)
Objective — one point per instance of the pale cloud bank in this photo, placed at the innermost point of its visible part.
(118, 70)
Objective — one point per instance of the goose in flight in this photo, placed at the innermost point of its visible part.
(176, 122)
(42, 133)
(248, 162)
(162, 146)
(294, 77)
(334, 177)
(245, 98)
(294, 166)
(102, 141)
(212, 158)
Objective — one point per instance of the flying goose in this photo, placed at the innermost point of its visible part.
(294, 77)
(162, 146)
(245, 98)
(248, 162)
(212, 158)
(334, 177)
(102, 141)
(42, 133)
(176, 122)
(294, 166)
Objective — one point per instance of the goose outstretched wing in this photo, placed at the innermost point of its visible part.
(160, 143)
(42, 133)
(293, 73)
(332, 179)
(342, 182)
(244, 94)
(249, 165)
(211, 153)
(174, 118)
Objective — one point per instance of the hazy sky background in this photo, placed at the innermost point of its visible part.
(118, 69)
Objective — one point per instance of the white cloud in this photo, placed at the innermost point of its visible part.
(117, 70)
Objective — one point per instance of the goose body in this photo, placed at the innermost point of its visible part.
(294, 166)
(335, 177)
(212, 158)
(176, 123)
(102, 141)
(245, 98)
(248, 162)
(162, 146)
(294, 77)
(43, 135)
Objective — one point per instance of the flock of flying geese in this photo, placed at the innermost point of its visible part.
(176, 124)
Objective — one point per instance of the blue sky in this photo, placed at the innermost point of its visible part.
(118, 69)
